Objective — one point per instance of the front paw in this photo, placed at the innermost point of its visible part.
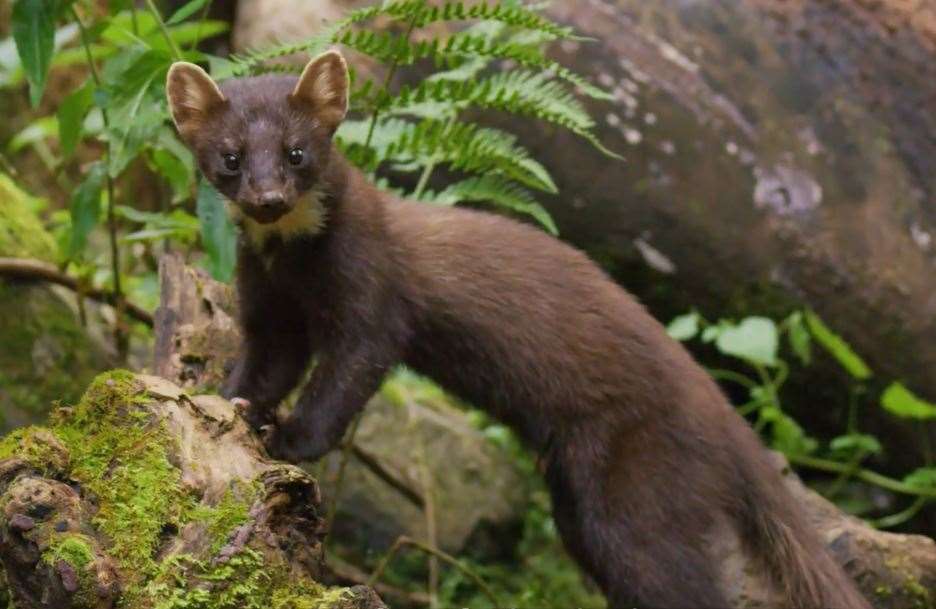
(291, 441)
(255, 415)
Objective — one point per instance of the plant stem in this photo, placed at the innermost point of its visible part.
(736, 377)
(862, 474)
(386, 85)
(852, 466)
(407, 541)
(120, 336)
(173, 48)
(343, 465)
(900, 517)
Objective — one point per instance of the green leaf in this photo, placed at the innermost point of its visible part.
(85, 209)
(499, 191)
(685, 327)
(900, 401)
(837, 347)
(799, 337)
(856, 442)
(219, 236)
(176, 171)
(754, 340)
(186, 11)
(33, 24)
(922, 478)
(789, 438)
(71, 115)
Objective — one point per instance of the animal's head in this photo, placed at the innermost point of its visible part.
(264, 141)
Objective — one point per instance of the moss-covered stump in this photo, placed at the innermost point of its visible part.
(46, 355)
(143, 497)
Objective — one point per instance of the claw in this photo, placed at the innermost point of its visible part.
(240, 404)
(266, 430)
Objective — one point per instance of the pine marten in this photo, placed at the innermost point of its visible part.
(643, 454)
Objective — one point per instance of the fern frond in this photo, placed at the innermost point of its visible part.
(498, 191)
(420, 14)
(470, 148)
(392, 48)
(518, 92)
(462, 146)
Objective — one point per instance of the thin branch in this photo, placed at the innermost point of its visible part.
(403, 540)
(373, 464)
(346, 573)
(37, 270)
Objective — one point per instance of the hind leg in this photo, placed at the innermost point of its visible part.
(646, 551)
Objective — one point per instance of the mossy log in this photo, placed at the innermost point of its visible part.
(145, 497)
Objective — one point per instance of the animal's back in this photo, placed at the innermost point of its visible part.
(523, 320)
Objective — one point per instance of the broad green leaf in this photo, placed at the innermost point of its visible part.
(922, 478)
(710, 333)
(85, 209)
(186, 11)
(33, 24)
(900, 401)
(219, 237)
(856, 442)
(799, 337)
(837, 347)
(754, 340)
(71, 115)
(684, 327)
(789, 438)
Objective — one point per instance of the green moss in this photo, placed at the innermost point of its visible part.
(121, 456)
(21, 233)
(246, 581)
(39, 447)
(73, 548)
(230, 513)
(77, 551)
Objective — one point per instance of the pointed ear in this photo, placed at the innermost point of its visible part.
(192, 96)
(322, 89)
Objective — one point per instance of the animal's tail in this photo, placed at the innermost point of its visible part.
(792, 551)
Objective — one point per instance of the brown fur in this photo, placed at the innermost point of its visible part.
(643, 454)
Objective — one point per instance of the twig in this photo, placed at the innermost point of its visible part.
(346, 573)
(403, 540)
(37, 270)
(376, 468)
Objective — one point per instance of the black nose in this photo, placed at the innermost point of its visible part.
(272, 200)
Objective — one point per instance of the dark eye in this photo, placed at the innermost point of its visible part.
(231, 162)
(295, 156)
